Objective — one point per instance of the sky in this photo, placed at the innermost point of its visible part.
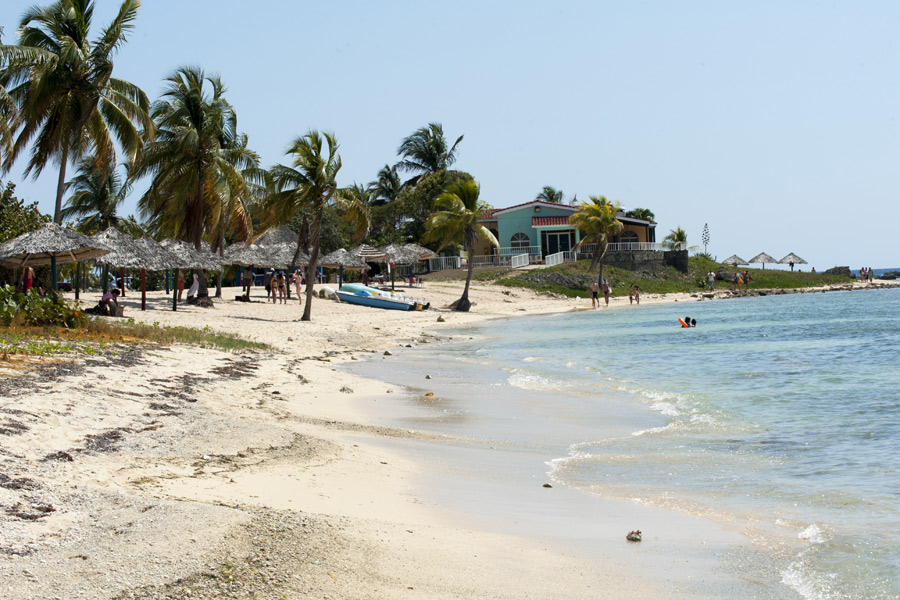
(775, 123)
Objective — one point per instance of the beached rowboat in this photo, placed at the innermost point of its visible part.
(356, 293)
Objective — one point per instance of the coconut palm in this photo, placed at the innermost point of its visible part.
(677, 238)
(66, 98)
(310, 183)
(387, 186)
(197, 163)
(96, 197)
(641, 213)
(426, 151)
(598, 223)
(457, 221)
(550, 194)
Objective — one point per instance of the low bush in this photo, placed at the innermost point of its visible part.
(36, 310)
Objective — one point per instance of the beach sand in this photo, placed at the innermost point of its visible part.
(176, 472)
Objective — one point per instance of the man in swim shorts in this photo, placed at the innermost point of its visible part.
(606, 290)
(595, 294)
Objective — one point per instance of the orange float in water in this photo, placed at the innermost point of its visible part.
(683, 324)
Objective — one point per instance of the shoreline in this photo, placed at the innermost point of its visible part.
(234, 449)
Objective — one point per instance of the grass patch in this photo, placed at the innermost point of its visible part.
(573, 279)
(100, 336)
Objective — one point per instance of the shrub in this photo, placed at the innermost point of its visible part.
(36, 310)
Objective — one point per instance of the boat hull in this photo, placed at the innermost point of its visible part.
(376, 301)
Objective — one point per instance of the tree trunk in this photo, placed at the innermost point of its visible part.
(315, 230)
(57, 211)
(463, 304)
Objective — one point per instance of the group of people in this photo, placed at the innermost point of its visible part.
(275, 282)
(866, 274)
(179, 285)
(634, 293)
(740, 279)
(29, 282)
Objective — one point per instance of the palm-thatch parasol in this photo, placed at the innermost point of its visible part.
(280, 235)
(734, 260)
(191, 258)
(368, 253)
(123, 250)
(763, 258)
(792, 259)
(421, 250)
(340, 259)
(245, 255)
(50, 241)
(282, 255)
(399, 255)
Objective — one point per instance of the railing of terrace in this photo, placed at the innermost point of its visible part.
(484, 261)
(551, 260)
(442, 263)
(510, 251)
(519, 260)
(588, 249)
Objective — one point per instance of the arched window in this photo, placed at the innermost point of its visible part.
(628, 236)
(520, 240)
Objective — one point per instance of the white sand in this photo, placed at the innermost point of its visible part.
(198, 473)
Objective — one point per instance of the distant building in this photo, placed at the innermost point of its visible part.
(540, 229)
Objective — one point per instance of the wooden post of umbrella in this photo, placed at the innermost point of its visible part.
(77, 278)
(143, 289)
(340, 276)
(392, 268)
(122, 280)
(167, 282)
(175, 298)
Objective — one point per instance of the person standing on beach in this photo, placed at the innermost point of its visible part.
(747, 280)
(179, 283)
(267, 282)
(606, 290)
(637, 294)
(871, 275)
(595, 294)
(248, 281)
(711, 280)
(27, 279)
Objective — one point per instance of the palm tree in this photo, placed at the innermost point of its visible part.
(311, 183)
(387, 186)
(641, 213)
(192, 162)
(66, 98)
(426, 151)
(96, 197)
(457, 220)
(550, 194)
(677, 238)
(598, 223)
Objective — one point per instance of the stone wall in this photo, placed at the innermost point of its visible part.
(647, 260)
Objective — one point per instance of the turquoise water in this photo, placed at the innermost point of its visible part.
(778, 416)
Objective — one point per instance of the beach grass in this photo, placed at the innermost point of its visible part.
(100, 335)
(573, 279)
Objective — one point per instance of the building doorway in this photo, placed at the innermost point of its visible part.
(557, 241)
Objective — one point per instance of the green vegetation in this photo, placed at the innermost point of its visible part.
(36, 310)
(573, 279)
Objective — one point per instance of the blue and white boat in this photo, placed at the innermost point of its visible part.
(357, 293)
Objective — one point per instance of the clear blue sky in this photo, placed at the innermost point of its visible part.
(774, 122)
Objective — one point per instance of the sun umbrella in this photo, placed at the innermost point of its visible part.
(341, 259)
(368, 253)
(763, 258)
(421, 250)
(280, 235)
(282, 255)
(245, 255)
(39, 246)
(734, 260)
(191, 258)
(792, 259)
(399, 255)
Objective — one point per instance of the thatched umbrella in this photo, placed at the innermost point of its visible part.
(154, 257)
(340, 259)
(399, 255)
(280, 235)
(189, 257)
(50, 243)
(422, 251)
(368, 254)
(792, 259)
(763, 258)
(734, 260)
(245, 255)
(124, 253)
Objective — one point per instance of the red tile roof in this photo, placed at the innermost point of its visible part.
(537, 203)
(544, 221)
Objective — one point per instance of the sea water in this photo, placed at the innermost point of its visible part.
(778, 416)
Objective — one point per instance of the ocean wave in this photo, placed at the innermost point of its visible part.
(529, 380)
(653, 430)
(813, 534)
